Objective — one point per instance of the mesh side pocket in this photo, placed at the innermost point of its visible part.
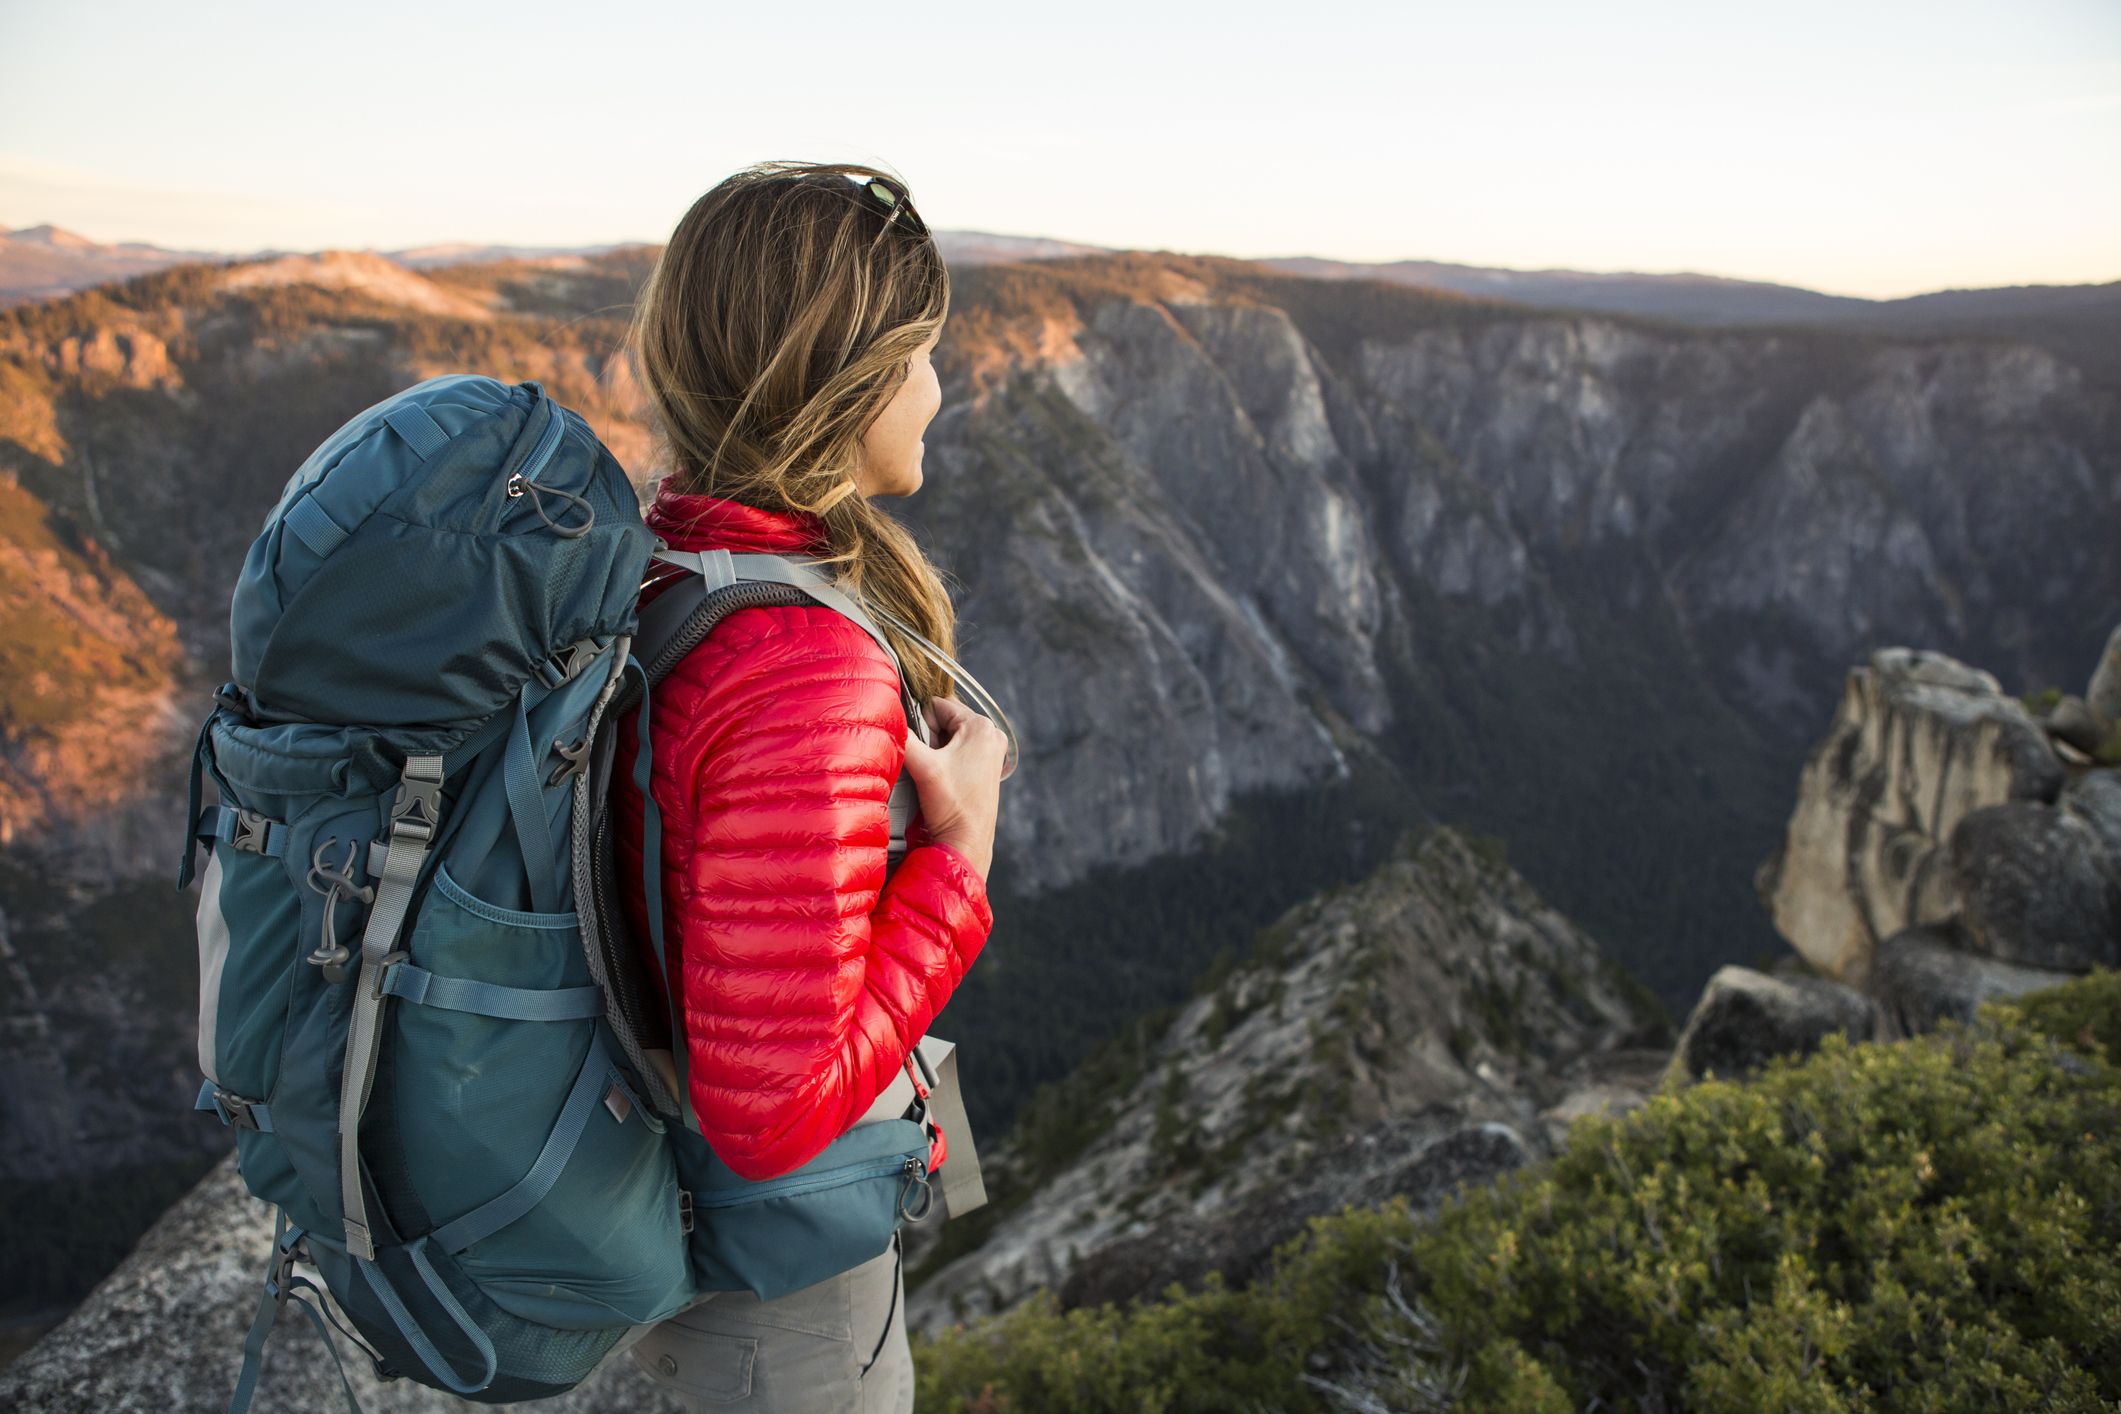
(550, 1185)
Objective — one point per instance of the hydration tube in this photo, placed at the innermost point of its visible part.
(982, 701)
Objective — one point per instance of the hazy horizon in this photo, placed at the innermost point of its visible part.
(1893, 150)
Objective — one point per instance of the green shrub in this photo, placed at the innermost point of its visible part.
(1932, 1224)
(2085, 1013)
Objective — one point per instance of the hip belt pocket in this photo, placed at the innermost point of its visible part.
(836, 1212)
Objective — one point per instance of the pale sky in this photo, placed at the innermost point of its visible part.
(1854, 147)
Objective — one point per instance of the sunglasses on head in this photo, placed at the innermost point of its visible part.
(898, 210)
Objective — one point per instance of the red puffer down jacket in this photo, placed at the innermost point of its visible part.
(807, 978)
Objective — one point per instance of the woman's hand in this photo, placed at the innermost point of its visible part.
(960, 782)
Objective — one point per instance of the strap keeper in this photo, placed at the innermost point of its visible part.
(382, 970)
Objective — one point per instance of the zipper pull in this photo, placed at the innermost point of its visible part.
(915, 1178)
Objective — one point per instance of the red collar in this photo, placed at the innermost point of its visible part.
(704, 522)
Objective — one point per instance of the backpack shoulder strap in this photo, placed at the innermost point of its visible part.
(682, 615)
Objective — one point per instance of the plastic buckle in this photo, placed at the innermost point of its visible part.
(566, 665)
(235, 1110)
(253, 831)
(574, 760)
(418, 804)
(280, 1280)
(685, 1210)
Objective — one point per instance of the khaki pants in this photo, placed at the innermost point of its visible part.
(837, 1346)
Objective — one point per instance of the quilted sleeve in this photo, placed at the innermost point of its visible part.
(806, 978)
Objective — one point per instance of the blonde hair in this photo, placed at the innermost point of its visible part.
(778, 322)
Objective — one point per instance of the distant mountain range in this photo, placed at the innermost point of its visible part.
(2080, 322)
(39, 262)
(1705, 299)
(42, 262)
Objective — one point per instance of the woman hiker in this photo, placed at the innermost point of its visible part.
(783, 342)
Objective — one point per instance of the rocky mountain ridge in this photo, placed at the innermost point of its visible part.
(1435, 1022)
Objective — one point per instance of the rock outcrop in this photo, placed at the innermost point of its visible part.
(1942, 852)
(2103, 694)
(1433, 1024)
(1920, 742)
(164, 1334)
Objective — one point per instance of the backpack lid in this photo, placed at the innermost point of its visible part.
(431, 554)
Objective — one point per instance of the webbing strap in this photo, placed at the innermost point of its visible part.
(297, 1285)
(721, 568)
(417, 1338)
(416, 984)
(526, 806)
(414, 815)
(281, 1286)
(189, 863)
(590, 1084)
(652, 899)
(260, 1324)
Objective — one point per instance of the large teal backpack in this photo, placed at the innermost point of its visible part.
(420, 1011)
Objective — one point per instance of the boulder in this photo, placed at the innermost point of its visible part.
(1925, 975)
(2095, 797)
(1745, 1017)
(2077, 722)
(2037, 886)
